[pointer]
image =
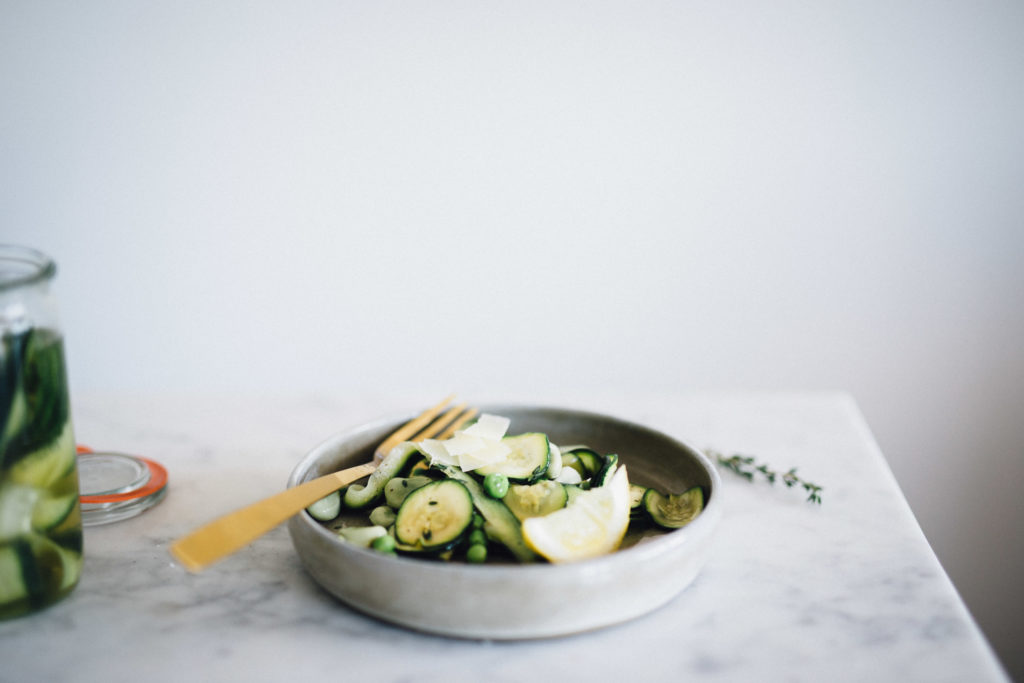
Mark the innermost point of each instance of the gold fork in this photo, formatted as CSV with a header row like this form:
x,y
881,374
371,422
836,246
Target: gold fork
x,y
234,531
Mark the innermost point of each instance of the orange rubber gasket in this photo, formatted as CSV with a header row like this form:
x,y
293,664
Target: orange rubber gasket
x,y
157,480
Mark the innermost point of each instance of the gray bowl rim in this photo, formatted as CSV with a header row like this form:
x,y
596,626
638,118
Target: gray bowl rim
x,y
648,549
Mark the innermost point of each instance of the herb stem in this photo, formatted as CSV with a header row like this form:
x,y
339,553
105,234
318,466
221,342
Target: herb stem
x,y
747,467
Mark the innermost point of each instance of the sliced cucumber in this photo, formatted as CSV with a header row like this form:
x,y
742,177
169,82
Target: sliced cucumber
x,y
536,500
327,508
46,466
50,512
17,503
499,523
12,582
361,495
435,516
527,461
63,561
673,511
35,388
35,571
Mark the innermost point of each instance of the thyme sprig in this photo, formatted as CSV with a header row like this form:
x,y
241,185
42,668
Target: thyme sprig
x,y
747,467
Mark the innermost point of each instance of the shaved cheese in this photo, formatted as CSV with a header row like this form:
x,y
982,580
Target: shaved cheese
x,y
491,454
568,475
478,445
463,443
491,427
437,452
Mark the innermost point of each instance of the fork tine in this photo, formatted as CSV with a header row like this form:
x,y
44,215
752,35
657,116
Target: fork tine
x,y
411,427
446,425
437,426
457,423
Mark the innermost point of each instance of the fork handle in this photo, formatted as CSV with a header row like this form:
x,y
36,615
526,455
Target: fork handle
x,y
234,531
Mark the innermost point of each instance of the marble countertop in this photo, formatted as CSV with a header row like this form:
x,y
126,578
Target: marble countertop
x,y
846,591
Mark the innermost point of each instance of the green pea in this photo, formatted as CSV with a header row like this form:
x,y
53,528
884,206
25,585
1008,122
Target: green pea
x,y
496,485
478,520
384,544
476,554
478,537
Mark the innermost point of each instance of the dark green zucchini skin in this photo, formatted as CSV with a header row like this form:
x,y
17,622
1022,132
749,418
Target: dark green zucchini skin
x,y
672,511
500,524
609,463
359,496
435,517
584,460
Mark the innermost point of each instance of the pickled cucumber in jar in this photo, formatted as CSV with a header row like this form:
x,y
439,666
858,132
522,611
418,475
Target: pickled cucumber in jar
x,y
40,518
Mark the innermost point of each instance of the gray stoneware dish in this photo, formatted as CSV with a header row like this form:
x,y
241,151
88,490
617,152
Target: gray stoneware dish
x,y
512,601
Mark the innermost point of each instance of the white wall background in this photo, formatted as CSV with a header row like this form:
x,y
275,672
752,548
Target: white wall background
x,y
345,196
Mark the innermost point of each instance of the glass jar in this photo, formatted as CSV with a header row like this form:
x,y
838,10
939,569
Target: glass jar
x,y
40,517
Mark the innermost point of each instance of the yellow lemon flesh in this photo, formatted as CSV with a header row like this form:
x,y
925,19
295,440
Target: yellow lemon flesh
x,y
593,524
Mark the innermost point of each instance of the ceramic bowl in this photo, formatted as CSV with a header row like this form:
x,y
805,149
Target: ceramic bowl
x,y
512,601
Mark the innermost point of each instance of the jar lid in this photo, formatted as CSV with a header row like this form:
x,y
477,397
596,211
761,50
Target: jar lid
x,y
117,486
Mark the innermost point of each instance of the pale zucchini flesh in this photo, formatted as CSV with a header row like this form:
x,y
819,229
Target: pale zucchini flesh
x,y
535,500
361,495
674,511
500,524
527,460
435,516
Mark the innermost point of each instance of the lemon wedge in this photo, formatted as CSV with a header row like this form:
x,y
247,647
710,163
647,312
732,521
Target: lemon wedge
x,y
593,524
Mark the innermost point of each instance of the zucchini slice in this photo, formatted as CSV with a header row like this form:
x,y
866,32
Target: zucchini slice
x,y
572,491
435,516
584,460
528,460
327,508
361,495
383,515
362,536
499,523
673,511
419,468
536,500
603,475
554,461
396,490
636,499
